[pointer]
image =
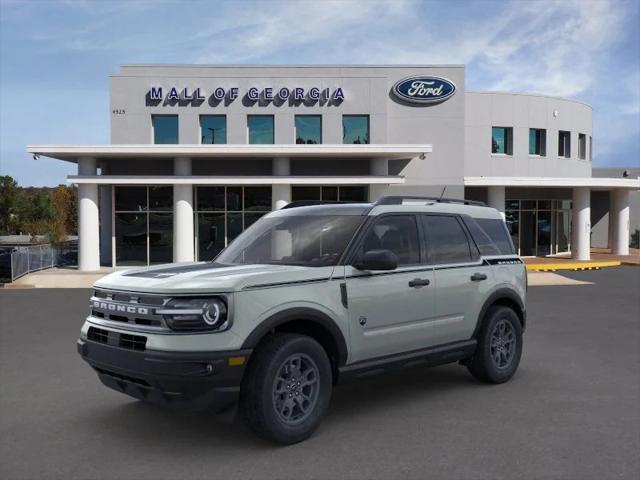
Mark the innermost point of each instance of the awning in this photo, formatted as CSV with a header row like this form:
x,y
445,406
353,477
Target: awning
x,y
72,153
595,183
235,180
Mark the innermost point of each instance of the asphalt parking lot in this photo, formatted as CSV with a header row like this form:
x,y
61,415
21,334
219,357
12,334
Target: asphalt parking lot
x,y
572,411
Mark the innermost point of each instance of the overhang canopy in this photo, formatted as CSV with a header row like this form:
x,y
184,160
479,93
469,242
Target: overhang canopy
x,y
236,180
595,183
72,153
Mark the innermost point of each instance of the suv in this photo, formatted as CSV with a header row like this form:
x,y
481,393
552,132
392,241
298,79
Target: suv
x,y
311,296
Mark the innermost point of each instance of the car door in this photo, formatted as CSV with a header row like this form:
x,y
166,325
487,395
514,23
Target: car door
x,y
390,311
462,281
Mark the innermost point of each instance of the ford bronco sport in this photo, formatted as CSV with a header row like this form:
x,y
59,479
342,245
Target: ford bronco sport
x,y
310,296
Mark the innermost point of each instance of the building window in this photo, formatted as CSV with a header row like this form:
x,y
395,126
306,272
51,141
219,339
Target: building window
x,y
582,146
143,220
165,129
537,142
355,129
222,213
590,148
308,129
564,144
502,140
330,193
261,130
213,129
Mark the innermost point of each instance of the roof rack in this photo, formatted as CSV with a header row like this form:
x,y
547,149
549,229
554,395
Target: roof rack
x,y
398,200
308,203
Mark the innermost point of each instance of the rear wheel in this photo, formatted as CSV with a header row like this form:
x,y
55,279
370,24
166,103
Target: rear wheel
x,y
499,348
287,388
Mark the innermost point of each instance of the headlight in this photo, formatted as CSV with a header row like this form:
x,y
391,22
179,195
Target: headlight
x,y
195,314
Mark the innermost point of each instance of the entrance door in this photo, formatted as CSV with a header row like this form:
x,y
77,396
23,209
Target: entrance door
x,y
527,233
391,311
545,233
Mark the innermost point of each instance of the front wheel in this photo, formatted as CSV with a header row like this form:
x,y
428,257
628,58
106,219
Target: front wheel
x,y
287,388
499,348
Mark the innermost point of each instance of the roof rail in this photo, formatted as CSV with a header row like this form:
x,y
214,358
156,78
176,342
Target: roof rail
x,y
398,199
308,203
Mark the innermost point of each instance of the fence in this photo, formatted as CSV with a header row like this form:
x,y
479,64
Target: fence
x,y
38,257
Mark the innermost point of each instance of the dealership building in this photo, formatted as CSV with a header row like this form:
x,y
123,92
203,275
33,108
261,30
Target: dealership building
x,y
198,153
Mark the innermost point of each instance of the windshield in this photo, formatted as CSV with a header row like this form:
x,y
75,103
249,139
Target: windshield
x,y
311,241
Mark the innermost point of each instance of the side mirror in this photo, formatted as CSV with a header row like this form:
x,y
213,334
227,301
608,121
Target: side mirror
x,y
377,260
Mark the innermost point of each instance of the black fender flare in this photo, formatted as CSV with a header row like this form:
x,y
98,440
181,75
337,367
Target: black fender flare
x,y
496,296
304,314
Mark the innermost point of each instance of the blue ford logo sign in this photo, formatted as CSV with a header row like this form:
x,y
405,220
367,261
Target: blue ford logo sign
x,y
424,89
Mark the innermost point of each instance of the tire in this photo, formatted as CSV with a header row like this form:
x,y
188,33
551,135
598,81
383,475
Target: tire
x,y
277,405
499,348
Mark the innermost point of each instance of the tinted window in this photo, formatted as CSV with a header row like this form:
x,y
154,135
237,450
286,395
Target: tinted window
x,y
398,233
308,129
165,129
260,129
355,129
446,240
213,129
491,236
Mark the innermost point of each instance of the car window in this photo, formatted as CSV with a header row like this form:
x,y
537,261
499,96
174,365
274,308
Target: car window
x,y
446,240
398,233
497,232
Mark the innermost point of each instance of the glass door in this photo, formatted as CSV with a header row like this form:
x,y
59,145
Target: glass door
x,y
544,234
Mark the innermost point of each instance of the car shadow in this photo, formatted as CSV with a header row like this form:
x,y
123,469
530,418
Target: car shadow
x,y
135,421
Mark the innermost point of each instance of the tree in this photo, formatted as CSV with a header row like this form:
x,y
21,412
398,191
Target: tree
x,y
9,192
65,217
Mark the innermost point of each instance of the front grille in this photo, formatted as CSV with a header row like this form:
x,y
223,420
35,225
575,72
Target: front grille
x,y
133,342
129,308
98,335
122,340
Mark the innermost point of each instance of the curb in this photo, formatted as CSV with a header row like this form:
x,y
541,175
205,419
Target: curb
x,y
575,266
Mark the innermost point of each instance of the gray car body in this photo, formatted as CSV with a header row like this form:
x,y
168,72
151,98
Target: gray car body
x,y
380,315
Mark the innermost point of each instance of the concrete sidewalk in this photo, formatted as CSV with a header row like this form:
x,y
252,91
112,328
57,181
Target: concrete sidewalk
x,y
59,278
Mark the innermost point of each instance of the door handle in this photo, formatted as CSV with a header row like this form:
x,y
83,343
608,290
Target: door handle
x,y
478,277
419,282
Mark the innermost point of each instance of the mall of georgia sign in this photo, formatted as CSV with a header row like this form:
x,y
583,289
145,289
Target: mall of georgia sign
x,y
423,89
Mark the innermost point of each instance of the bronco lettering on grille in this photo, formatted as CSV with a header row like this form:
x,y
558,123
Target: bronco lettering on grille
x,y
118,307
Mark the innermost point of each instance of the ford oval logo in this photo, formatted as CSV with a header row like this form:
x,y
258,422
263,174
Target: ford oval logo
x,y
424,89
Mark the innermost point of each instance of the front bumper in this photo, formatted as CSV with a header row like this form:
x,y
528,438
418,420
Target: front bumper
x,y
193,380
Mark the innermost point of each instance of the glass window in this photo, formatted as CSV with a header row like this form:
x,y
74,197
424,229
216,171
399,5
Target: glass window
x,y
261,130
590,148
257,198
234,198
512,220
353,194
330,194
446,240
564,144
582,146
234,226
210,198
308,129
165,129
397,233
311,240
301,193
211,235
537,141
161,198
355,129
160,238
502,140
131,199
131,238
213,129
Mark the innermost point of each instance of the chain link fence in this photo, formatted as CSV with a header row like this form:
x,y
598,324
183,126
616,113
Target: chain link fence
x,y
22,260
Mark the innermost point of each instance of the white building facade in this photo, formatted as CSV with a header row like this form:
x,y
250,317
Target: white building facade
x,y
199,153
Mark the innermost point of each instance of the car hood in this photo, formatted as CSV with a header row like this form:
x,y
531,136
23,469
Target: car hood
x,y
208,277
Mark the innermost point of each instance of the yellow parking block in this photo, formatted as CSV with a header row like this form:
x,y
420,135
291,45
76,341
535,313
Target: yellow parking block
x,y
552,267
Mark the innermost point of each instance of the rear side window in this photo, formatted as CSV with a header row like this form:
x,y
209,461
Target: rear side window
x,y
491,236
446,240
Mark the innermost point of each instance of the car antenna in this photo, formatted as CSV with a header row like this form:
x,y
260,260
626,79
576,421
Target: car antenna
x,y
442,194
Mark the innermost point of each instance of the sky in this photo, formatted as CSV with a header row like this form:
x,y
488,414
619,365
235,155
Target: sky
x,y
56,56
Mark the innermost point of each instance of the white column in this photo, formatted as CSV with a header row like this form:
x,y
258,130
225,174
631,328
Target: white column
x,y
183,236
581,224
88,219
619,217
378,167
280,194
496,199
